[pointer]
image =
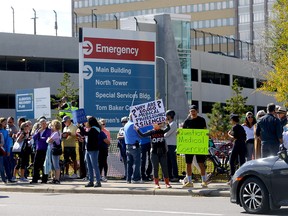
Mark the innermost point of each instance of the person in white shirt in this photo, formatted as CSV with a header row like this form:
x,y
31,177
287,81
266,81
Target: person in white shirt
x,y
248,126
170,138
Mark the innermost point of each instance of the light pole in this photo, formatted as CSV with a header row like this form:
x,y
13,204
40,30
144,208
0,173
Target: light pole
x,y
56,24
96,20
92,20
166,79
13,19
116,21
34,18
76,23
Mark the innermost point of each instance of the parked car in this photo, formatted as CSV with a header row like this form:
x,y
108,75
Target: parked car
x,y
261,185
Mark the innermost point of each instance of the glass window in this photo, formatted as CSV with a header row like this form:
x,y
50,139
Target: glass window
x,y
200,7
224,5
71,66
35,65
2,63
189,8
207,23
231,4
200,24
259,83
219,5
207,8
244,82
219,22
212,6
16,63
207,107
7,101
184,9
195,8
215,78
224,22
53,65
212,23
194,74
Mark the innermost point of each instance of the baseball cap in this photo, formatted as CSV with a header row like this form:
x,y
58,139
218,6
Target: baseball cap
x,y
193,107
65,118
249,114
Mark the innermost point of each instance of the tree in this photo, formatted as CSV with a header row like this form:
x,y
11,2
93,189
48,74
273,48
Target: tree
x,y
237,103
218,122
219,118
67,90
277,52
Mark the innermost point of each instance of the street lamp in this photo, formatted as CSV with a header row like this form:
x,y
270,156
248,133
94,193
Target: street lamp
x,y
96,20
13,19
34,18
116,21
92,16
166,79
76,23
56,25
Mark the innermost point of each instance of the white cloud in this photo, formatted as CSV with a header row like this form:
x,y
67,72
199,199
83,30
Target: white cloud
x,y
46,17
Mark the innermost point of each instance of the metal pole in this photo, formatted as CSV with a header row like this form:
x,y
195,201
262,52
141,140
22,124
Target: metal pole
x,y
76,23
56,24
96,20
166,80
92,20
116,21
34,18
13,19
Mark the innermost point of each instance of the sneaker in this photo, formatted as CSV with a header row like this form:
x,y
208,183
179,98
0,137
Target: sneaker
x,y
137,182
104,179
128,182
55,181
66,176
89,184
13,179
98,184
188,185
23,180
204,184
168,186
157,187
74,176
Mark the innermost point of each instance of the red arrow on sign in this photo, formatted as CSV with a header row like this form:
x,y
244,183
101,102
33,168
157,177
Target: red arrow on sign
x,y
87,48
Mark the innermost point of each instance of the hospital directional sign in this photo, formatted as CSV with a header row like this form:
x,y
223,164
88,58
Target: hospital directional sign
x,y
117,70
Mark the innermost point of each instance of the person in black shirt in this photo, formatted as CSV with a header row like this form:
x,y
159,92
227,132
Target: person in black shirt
x,y
238,134
194,121
158,152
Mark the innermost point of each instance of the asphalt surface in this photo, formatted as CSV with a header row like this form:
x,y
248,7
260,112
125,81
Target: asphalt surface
x,y
119,187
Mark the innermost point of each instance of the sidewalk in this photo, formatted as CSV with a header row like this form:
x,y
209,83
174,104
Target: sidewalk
x,y
119,187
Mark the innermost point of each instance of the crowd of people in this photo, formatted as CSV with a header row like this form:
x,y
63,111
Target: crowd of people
x,y
141,149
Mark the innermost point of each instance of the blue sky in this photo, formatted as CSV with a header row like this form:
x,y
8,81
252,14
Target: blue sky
x,y
46,17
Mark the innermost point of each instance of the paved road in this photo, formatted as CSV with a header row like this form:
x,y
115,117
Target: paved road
x,y
35,204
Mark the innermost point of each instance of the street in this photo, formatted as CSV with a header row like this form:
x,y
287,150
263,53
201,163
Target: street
x,y
97,204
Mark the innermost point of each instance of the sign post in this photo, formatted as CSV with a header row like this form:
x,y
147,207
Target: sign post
x,y
116,67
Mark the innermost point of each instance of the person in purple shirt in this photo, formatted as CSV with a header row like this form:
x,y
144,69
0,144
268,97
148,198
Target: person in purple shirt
x,y
40,137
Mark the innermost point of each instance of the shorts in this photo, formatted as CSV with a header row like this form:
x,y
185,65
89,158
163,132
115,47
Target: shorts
x,y
69,152
56,162
199,158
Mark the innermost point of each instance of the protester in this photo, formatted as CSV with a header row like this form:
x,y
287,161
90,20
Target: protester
x,y
170,138
257,143
23,137
104,129
54,141
92,149
281,114
238,135
145,147
7,145
269,130
194,121
248,126
159,152
2,173
104,143
122,146
133,152
69,142
40,137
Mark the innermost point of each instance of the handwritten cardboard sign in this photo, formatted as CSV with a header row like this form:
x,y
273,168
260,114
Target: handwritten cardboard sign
x,y
192,141
148,113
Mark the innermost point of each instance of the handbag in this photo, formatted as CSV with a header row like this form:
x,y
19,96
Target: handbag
x,y
2,151
17,147
56,149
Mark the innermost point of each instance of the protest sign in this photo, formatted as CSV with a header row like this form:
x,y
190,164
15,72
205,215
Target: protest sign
x,y
79,116
192,141
148,113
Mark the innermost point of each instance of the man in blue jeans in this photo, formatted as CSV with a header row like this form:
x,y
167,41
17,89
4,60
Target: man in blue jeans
x,y
133,152
145,146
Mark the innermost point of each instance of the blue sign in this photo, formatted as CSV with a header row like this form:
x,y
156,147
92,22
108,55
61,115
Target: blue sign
x,y
79,116
117,70
25,103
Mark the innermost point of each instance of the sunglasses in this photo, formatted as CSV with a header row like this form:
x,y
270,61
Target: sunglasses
x,y
249,116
